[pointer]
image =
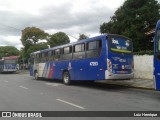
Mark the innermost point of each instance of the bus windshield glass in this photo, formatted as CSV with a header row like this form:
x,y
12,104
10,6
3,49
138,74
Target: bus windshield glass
x,y
10,61
120,44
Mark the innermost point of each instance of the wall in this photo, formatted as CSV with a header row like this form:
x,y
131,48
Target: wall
x,y
143,66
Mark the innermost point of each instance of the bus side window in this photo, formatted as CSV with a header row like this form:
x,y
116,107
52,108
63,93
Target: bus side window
x,y
79,51
50,55
57,54
43,57
47,56
37,58
67,53
53,55
40,57
94,49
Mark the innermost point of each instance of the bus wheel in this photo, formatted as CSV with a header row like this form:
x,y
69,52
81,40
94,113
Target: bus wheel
x,y
36,75
66,78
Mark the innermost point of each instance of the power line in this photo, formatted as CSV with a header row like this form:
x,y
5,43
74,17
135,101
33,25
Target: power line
x,y
72,36
21,29
10,27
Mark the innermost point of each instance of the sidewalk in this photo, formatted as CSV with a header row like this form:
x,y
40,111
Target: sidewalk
x,y
23,71
136,83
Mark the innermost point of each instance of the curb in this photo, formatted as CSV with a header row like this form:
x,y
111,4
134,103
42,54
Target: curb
x,y
129,84
23,72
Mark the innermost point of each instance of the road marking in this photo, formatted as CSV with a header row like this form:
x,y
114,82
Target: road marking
x,y
71,104
5,81
23,87
53,84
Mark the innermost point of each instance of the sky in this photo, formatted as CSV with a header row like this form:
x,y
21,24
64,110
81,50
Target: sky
x,y
73,17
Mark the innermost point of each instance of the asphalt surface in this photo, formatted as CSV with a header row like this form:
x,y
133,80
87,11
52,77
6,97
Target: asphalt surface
x,y
19,92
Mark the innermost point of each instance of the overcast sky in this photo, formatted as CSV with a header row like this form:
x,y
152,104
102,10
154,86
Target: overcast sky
x,y
73,17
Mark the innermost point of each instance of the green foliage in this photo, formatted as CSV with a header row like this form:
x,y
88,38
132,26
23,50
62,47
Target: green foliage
x,y
148,52
133,19
8,51
82,36
59,38
30,38
37,47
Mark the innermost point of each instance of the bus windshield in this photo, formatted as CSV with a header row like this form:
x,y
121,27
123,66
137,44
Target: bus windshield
x,y
10,61
119,44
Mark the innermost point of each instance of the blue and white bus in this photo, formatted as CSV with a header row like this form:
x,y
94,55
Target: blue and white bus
x,y
157,56
102,57
8,64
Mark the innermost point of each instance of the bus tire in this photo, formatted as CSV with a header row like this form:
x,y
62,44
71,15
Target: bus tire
x,y
36,75
66,78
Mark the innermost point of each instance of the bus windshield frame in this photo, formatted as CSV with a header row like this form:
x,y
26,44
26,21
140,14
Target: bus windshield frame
x,y
115,40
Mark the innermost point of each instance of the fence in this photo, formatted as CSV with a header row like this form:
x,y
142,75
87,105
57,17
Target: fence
x,y
143,65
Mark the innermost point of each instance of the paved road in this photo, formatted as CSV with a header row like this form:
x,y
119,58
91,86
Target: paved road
x,y
19,92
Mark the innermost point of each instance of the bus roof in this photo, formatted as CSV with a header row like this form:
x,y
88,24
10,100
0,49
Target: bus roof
x,y
77,42
10,57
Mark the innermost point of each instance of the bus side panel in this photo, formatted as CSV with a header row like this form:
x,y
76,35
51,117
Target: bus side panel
x,y
91,68
41,67
94,70
57,72
157,72
52,70
77,69
156,60
85,69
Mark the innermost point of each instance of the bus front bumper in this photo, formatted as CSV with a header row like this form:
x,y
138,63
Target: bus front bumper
x,y
9,70
112,76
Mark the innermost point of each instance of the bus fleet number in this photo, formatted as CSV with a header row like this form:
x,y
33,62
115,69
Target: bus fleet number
x,y
93,63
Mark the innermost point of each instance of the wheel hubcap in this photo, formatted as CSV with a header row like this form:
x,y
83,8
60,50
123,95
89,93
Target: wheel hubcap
x,y
66,78
36,75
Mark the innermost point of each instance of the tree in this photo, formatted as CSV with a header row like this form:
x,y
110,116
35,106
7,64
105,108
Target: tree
x,y
37,47
82,36
8,51
58,38
31,38
133,19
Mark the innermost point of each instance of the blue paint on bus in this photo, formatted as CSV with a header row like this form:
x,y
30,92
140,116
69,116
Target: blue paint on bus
x,y
102,57
157,56
8,64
